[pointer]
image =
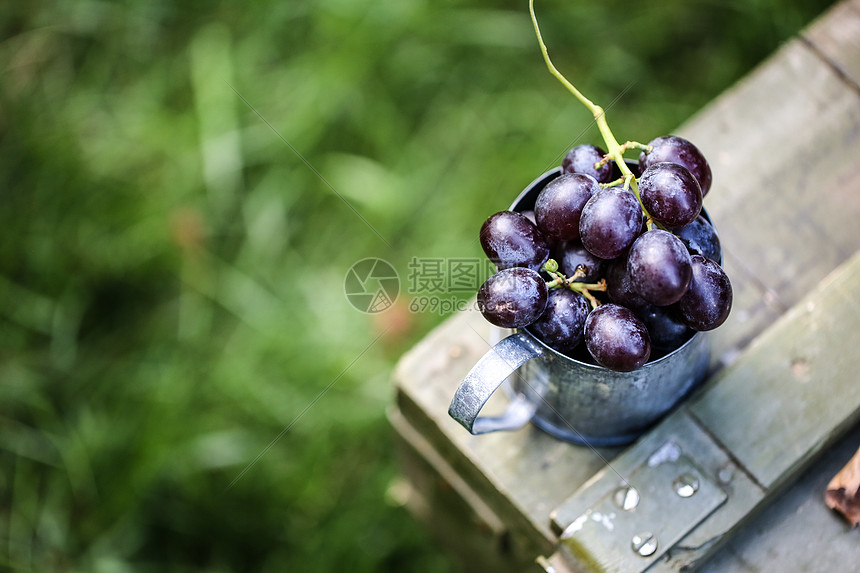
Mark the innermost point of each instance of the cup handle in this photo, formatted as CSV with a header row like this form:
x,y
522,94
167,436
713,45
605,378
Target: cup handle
x,y
486,376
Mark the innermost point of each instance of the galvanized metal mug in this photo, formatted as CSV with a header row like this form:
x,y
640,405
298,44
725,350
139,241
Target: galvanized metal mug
x,y
571,399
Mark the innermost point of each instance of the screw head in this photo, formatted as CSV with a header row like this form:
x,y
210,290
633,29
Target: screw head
x,y
644,544
686,484
626,497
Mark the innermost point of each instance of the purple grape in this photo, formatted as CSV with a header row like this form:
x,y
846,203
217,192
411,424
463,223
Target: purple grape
x,y
619,288
678,150
664,326
700,238
513,297
708,301
610,222
659,267
616,338
560,203
581,159
571,254
511,240
671,194
561,324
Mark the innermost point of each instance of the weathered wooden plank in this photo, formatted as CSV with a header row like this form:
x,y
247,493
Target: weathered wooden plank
x,y
457,517
798,533
796,386
837,39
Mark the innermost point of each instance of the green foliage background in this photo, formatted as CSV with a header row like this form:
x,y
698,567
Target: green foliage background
x,y
171,270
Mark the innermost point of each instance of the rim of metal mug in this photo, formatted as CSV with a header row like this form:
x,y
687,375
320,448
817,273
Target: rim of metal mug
x,y
545,347
542,180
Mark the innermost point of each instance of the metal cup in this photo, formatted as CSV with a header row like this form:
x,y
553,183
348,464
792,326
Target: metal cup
x,y
570,399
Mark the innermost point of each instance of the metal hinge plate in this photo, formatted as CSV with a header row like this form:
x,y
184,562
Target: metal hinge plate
x,y
644,514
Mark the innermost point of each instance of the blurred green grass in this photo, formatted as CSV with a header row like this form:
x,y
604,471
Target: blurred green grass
x,y
171,272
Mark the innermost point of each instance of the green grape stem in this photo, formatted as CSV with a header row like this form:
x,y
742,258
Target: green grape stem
x,y
557,282
615,150
560,281
618,181
590,297
636,145
626,146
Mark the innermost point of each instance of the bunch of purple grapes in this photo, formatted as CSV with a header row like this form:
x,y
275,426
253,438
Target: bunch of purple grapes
x,y
627,268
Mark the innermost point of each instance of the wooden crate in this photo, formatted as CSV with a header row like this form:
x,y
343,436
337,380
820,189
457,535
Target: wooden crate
x,y
784,145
